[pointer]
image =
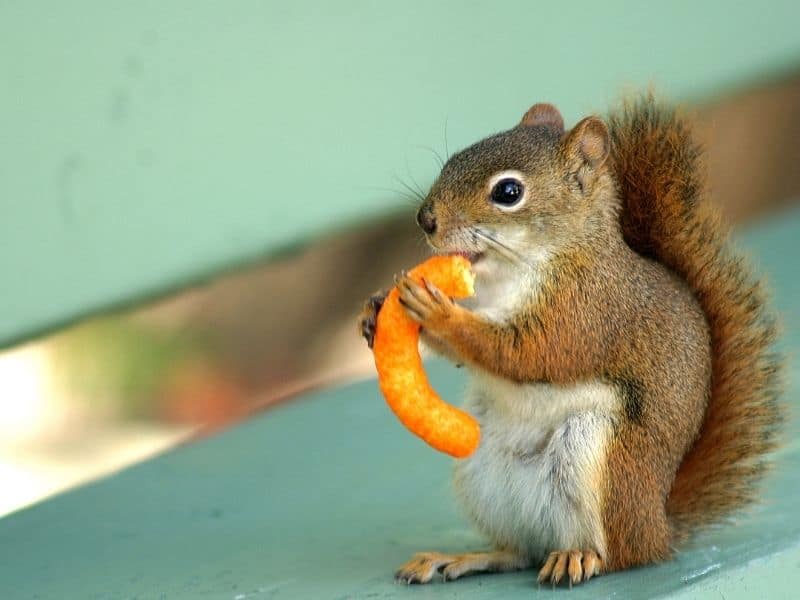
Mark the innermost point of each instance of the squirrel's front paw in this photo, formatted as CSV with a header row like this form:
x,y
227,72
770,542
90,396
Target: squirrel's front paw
x,y
369,315
427,304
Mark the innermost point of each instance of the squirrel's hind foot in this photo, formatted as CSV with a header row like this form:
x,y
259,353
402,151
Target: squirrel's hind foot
x,y
577,565
424,565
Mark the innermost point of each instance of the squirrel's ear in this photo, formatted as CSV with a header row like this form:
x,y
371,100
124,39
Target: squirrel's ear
x,y
543,114
588,144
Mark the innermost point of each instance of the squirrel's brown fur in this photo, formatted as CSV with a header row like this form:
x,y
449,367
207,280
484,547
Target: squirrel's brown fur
x,y
665,216
619,349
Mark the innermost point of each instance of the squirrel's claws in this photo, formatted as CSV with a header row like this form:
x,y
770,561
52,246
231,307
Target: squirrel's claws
x,y
424,566
434,291
412,312
369,315
575,565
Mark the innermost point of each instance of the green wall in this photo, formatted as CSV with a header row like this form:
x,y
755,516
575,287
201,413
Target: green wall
x,y
148,144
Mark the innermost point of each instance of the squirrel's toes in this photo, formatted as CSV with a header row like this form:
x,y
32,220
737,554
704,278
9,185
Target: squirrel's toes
x,y
425,565
369,315
577,565
422,567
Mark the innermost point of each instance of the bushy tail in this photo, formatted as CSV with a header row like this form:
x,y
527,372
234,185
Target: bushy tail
x,y
665,216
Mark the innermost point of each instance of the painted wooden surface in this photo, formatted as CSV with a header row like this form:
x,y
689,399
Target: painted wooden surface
x,y
144,145
323,497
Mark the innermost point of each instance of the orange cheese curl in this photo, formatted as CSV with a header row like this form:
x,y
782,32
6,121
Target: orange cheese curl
x,y
401,376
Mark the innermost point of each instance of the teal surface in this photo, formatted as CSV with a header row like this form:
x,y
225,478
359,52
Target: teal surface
x,y
323,497
148,144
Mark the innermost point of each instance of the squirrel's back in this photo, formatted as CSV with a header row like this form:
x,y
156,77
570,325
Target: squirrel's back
x,y
665,216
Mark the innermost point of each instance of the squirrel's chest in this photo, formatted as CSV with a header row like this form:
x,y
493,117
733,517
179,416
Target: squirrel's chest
x,y
534,483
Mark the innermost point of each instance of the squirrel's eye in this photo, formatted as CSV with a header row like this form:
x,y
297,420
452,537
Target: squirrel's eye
x,y
507,192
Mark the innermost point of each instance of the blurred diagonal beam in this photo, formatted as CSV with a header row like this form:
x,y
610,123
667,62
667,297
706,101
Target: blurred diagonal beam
x,y
278,347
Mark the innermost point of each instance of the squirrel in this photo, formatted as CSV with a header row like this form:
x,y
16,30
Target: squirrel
x,y
619,351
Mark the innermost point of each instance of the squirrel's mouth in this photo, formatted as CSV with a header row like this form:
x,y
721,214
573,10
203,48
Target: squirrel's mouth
x,y
472,257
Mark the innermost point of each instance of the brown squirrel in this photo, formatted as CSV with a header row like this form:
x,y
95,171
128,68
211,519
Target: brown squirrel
x,y
619,351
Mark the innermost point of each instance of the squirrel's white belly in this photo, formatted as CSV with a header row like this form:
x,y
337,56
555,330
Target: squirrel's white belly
x,y
533,485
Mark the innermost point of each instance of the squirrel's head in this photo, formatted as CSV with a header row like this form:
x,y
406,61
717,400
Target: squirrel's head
x,y
524,193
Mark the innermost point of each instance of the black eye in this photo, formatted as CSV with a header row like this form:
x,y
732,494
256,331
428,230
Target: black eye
x,y
507,192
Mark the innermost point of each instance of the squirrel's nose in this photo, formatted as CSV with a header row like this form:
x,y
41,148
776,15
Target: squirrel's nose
x,y
425,219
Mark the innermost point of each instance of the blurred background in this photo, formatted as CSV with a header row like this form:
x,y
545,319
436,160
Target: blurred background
x,y
117,388
121,337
